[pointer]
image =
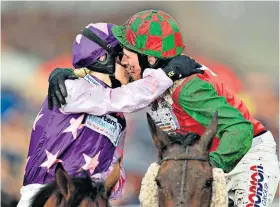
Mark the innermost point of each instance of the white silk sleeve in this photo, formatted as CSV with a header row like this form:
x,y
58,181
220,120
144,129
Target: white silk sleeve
x,y
97,100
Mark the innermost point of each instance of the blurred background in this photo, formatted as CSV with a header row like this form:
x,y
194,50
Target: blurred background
x,y
237,40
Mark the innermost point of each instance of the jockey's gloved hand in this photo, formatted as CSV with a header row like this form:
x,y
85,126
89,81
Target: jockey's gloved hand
x,y
57,89
181,66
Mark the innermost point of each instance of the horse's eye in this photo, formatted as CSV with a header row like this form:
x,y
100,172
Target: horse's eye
x,y
164,148
209,183
158,183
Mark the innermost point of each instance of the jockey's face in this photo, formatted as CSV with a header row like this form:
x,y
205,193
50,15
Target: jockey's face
x,y
130,60
121,74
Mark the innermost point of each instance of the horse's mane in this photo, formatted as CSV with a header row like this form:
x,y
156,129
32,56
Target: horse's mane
x,y
84,187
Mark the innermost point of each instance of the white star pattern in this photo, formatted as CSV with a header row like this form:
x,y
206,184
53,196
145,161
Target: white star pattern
x,y
37,119
91,163
78,38
51,160
75,124
101,26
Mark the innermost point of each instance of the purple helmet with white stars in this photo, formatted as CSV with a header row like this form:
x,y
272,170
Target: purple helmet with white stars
x,y
85,51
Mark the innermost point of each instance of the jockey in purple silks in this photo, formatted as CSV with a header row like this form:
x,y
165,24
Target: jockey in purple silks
x,y
75,137
80,141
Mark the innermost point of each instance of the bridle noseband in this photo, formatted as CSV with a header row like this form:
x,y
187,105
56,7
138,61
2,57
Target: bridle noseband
x,y
183,157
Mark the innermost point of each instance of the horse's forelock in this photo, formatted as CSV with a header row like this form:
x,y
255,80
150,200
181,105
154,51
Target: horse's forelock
x,y
184,140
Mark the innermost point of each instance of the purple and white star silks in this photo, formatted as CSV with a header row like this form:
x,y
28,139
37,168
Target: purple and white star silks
x,y
91,162
75,125
51,160
38,117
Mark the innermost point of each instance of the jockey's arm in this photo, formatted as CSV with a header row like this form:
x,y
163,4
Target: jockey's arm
x,y
200,100
118,190
128,98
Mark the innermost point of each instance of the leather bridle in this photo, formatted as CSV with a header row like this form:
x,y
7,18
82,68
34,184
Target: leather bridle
x,y
185,157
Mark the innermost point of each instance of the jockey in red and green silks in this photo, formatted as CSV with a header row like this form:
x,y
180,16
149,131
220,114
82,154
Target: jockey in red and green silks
x,y
195,101
197,98
151,39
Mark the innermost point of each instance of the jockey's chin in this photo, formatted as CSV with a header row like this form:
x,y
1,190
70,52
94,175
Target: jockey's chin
x,y
121,74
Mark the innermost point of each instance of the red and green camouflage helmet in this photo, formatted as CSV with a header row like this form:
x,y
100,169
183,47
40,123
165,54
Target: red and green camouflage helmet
x,y
151,32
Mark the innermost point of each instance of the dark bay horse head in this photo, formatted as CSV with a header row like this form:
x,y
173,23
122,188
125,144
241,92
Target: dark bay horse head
x,y
185,175
76,192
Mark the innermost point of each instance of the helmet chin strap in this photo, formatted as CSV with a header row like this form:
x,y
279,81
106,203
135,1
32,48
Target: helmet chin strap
x,y
107,66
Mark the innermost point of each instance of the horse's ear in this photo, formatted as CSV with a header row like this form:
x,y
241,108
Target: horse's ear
x,y
113,178
209,134
63,181
160,138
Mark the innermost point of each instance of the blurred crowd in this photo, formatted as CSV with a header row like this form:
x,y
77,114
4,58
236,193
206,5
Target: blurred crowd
x,y
36,39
